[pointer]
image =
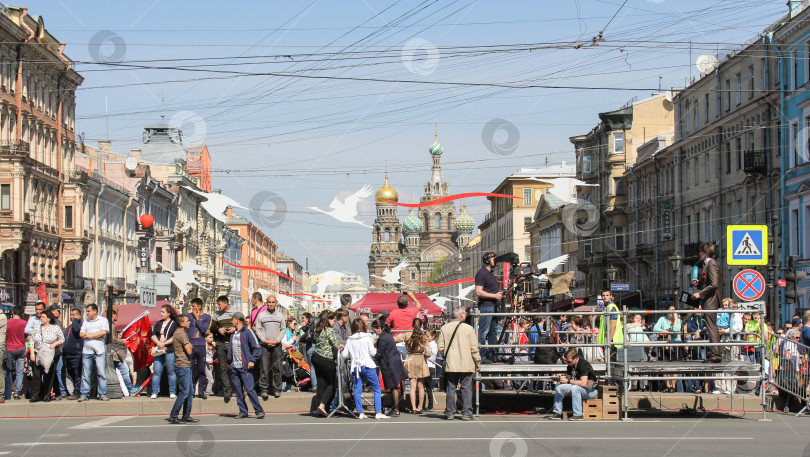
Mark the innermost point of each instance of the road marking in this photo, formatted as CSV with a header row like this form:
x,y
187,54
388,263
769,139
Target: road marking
x,y
100,423
332,440
355,423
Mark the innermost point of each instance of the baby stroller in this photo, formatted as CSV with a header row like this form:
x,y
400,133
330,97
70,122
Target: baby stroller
x,y
297,370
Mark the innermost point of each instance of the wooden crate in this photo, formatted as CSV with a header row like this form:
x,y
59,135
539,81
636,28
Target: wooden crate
x,y
592,406
611,414
608,392
610,402
592,416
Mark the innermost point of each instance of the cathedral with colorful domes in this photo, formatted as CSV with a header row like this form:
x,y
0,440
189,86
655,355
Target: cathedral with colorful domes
x,y
426,236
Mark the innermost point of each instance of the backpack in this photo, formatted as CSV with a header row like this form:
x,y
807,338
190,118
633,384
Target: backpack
x,y
545,355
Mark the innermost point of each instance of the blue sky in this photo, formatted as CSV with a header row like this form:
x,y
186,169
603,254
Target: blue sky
x,y
307,136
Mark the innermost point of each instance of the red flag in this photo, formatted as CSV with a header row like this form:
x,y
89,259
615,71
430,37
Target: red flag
x,y
42,293
138,335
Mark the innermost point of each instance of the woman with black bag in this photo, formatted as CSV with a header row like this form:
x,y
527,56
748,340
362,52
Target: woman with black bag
x,y
323,359
390,362
48,339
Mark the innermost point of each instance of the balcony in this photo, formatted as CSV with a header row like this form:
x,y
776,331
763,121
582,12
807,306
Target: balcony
x,y
754,162
645,249
14,147
691,252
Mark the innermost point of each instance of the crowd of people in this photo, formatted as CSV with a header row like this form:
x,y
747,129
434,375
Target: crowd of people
x,y
339,353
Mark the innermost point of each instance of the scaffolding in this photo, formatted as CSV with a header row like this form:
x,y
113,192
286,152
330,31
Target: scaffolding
x,y
624,367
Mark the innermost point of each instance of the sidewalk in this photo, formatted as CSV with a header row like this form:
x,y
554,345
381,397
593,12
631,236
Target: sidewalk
x,y
291,402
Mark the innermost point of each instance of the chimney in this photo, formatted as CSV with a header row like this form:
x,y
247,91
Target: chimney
x,y
104,148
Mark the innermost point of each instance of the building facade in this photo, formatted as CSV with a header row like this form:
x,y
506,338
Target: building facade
x,y
603,155
37,145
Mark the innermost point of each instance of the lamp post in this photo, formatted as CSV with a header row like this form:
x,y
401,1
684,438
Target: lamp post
x,y
675,261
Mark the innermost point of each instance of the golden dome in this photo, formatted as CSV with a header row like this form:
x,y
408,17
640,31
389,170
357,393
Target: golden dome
x,y
386,193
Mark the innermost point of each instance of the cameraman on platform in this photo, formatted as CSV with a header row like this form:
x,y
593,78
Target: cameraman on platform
x,y
488,292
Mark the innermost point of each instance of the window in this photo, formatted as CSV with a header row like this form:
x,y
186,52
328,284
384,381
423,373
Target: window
x,y
738,144
728,158
5,197
794,130
794,75
438,218
527,196
750,81
706,102
707,167
619,231
586,164
765,71
587,246
728,94
697,115
802,158
618,143
159,255
697,172
619,186
738,99
686,121
526,222
688,228
687,175
697,227
68,216
709,234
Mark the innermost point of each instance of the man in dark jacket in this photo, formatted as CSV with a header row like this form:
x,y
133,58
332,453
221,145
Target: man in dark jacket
x,y
72,352
243,352
199,324
222,328
709,285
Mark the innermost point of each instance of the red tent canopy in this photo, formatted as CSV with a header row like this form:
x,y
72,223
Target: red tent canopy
x,y
375,302
129,311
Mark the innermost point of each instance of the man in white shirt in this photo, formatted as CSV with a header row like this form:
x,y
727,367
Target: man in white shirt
x,y
94,330
33,321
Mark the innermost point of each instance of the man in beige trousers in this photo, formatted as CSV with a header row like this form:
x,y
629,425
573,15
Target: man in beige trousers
x,y
459,345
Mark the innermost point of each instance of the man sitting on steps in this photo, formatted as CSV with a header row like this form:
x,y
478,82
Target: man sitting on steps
x,y
580,383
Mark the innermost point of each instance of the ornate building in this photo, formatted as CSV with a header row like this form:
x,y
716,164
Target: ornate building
x,y
422,239
40,235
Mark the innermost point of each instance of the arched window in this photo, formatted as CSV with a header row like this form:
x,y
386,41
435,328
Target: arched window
x,y
438,217
387,235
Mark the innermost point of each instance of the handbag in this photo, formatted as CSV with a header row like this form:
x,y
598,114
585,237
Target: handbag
x,y
443,377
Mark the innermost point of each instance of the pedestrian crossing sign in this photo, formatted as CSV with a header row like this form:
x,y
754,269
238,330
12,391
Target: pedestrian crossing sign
x,y
747,244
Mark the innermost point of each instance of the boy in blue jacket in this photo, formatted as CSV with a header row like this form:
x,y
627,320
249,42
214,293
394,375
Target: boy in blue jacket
x,y
243,352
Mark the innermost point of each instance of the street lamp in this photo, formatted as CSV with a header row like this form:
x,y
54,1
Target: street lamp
x,y
611,272
675,261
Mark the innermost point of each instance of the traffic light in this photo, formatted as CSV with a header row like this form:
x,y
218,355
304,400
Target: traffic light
x,y
792,290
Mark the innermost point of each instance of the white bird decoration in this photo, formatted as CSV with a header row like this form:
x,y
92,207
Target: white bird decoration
x,y
182,279
346,211
552,264
392,276
462,294
216,204
563,188
285,301
327,278
440,301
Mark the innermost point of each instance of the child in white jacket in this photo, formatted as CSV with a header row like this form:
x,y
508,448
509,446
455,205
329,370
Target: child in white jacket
x,y
361,350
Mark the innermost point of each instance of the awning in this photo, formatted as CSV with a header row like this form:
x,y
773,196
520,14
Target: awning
x,y
374,302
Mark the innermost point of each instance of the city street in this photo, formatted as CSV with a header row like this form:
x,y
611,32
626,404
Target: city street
x,y
296,434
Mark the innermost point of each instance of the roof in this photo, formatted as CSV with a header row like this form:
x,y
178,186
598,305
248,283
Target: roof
x,y
562,170
162,144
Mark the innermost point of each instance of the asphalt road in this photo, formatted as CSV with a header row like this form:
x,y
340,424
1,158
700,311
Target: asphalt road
x,y
511,436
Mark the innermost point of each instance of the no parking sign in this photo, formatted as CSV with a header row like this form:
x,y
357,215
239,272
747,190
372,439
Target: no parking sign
x,y
749,285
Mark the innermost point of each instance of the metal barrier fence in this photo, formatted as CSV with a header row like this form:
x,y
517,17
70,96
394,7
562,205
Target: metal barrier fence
x,y
676,354
789,366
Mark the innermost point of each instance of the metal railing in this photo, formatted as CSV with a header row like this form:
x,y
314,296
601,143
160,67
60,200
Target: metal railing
x,y
678,347
789,366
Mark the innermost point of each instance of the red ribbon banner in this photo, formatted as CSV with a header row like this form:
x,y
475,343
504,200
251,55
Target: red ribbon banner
x,y
450,198
242,267
457,281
